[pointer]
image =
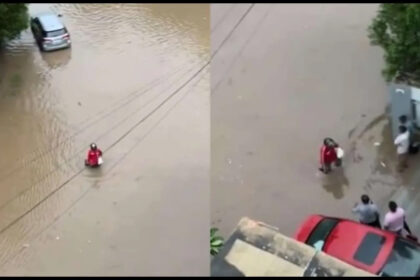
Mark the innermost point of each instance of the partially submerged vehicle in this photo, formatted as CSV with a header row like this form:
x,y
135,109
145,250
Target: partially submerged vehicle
x,y
49,32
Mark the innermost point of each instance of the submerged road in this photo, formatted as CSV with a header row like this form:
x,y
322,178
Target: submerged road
x,y
289,76
134,82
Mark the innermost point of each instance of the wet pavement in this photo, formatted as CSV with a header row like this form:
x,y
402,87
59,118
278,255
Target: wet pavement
x,y
289,76
134,83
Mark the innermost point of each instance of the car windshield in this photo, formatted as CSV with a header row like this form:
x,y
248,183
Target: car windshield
x,y
321,231
56,33
404,260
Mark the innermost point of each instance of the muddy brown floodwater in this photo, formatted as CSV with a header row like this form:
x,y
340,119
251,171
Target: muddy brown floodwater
x,y
288,76
134,83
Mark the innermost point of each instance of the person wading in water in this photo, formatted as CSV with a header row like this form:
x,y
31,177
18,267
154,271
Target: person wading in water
x,y
328,155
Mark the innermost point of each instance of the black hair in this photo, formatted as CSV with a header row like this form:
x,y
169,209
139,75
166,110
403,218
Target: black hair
x,y
403,119
330,142
365,199
402,129
392,206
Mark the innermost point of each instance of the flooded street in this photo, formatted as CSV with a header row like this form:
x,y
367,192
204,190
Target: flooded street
x,y
134,82
289,76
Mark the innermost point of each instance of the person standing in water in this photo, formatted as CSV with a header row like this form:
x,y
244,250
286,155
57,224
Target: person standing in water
x,y
413,147
328,155
94,156
402,142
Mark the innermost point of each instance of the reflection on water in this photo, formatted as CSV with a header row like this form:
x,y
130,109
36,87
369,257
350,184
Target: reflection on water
x,y
124,59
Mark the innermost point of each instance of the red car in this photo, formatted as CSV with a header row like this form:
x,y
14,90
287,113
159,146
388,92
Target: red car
x,y
371,249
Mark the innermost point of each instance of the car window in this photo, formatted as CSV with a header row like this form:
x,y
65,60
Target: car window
x,y
322,230
369,248
36,23
56,33
404,260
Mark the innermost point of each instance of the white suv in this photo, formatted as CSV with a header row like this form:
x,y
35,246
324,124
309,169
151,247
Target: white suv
x,y
49,32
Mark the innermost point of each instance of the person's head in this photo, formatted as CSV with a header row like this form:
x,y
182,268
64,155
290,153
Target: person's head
x,y
328,142
403,119
392,206
93,146
402,129
365,199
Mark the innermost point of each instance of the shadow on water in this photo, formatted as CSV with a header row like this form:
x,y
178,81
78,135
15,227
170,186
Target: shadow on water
x,y
94,172
385,156
335,182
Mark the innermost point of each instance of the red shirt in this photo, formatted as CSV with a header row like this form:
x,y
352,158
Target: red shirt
x,y
328,155
93,156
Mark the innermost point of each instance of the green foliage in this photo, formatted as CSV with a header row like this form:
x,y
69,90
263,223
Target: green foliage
x,y
216,242
14,19
396,28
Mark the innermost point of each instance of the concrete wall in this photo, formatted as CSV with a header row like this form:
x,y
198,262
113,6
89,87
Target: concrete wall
x,y
256,249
